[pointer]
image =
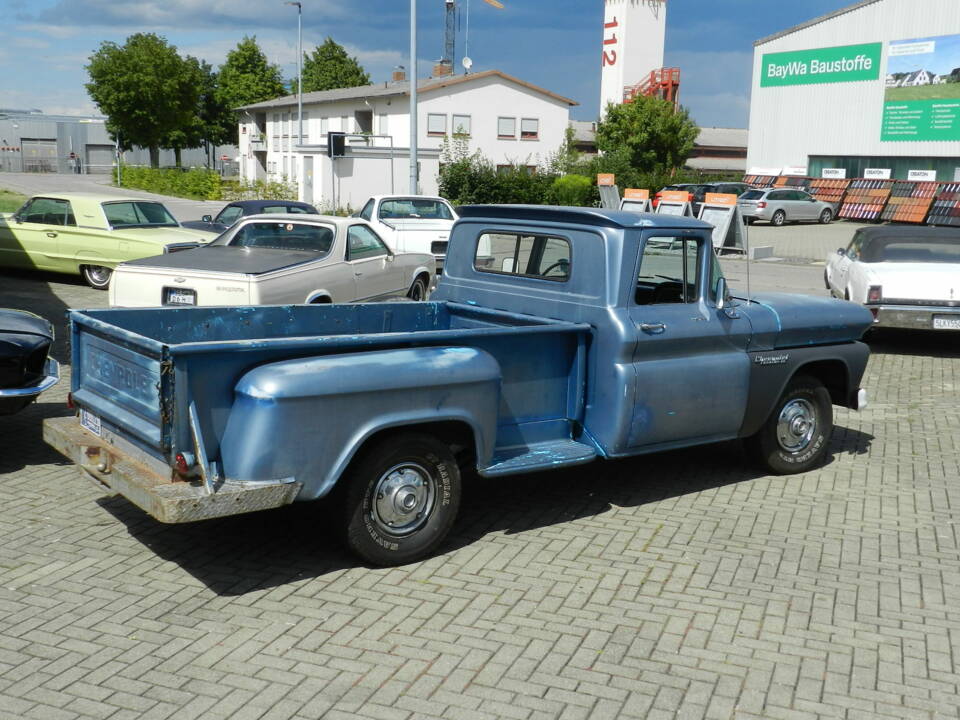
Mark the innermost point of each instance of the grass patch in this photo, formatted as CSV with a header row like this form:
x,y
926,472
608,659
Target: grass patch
x,y
11,201
948,91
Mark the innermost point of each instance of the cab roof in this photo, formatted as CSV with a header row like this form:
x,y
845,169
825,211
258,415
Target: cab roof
x,y
584,216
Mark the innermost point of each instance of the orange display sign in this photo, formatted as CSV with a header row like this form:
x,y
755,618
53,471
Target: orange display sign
x,y
720,199
606,179
636,194
674,196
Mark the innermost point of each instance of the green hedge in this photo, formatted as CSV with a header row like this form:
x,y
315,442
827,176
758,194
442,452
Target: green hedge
x,y
199,184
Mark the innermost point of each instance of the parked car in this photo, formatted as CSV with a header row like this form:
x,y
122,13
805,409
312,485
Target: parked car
x,y
411,223
232,212
908,277
88,234
779,206
691,188
728,188
594,334
275,259
26,369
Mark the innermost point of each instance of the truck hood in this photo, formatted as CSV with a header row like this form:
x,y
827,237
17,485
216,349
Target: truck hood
x,y
227,259
783,320
916,281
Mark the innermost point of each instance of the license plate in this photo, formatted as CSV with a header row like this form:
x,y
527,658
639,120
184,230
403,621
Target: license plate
x,y
946,322
90,421
179,296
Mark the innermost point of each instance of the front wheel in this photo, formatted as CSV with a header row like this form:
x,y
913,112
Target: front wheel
x,y
418,291
779,218
795,437
400,499
96,276
825,217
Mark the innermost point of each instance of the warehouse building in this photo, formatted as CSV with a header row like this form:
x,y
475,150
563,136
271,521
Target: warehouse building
x,y
872,90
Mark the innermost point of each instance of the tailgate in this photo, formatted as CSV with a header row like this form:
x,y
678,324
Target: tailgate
x,y
119,382
133,286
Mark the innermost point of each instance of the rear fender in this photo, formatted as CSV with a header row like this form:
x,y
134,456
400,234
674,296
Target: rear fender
x,y
319,295
306,419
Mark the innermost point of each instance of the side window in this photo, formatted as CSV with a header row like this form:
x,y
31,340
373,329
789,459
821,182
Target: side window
x,y
47,211
538,256
853,250
363,243
668,271
367,211
229,215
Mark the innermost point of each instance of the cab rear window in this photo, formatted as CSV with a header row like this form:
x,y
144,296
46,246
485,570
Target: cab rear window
x,y
537,256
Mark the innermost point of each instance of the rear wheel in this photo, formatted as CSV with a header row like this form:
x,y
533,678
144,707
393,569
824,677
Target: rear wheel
x,y
795,437
96,276
418,291
400,499
826,216
779,218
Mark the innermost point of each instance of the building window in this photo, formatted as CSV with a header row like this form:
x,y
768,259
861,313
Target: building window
x,y
436,124
285,160
306,128
324,126
461,125
507,128
529,129
294,127
344,126
383,126
275,129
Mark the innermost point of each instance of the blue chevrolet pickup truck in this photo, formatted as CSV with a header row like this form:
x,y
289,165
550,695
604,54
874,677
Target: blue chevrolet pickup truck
x,y
590,334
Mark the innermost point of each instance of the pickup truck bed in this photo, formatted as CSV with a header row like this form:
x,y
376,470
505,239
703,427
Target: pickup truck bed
x,y
153,384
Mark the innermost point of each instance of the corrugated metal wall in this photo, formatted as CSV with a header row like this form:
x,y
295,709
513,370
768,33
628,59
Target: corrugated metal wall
x,y
789,124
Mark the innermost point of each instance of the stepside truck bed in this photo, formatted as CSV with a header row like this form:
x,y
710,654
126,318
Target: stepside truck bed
x,y
154,386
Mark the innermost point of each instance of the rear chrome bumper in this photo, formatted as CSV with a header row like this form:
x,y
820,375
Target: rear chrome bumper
x,y
116,471
913,317
51,372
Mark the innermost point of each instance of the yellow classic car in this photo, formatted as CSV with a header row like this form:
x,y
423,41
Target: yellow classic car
x,y
89,234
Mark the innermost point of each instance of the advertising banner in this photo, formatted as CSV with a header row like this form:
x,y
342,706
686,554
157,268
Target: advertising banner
x,y
877,173
834,173
847,63
922,98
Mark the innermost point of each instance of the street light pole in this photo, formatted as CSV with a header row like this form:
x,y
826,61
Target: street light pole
x,y
299,70
413,97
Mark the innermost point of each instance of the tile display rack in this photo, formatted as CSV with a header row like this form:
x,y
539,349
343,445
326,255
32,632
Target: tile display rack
x,y
829,190
759,181
909,202
793,181
946,207
865,199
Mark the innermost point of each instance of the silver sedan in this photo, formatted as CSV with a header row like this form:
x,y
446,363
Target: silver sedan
x,y
782,205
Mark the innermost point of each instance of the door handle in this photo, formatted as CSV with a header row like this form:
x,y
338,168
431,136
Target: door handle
x,y
51,234
653,327
357,274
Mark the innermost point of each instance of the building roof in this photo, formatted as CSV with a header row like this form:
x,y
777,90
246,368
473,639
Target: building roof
x,y
584,131
815,21
722,137
717,164
399,88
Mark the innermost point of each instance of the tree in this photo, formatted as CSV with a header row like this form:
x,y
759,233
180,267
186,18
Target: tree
x,y
246,77
329,67
649,131
146,90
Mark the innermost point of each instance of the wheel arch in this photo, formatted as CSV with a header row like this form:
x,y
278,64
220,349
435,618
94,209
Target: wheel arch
x,y
319,297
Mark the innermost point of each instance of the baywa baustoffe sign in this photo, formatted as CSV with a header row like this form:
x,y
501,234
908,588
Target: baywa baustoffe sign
x,y
922,93
846,63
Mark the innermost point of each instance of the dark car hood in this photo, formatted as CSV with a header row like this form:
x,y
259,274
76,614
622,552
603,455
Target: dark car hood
x,y
228,259
782,320
201,225
19,322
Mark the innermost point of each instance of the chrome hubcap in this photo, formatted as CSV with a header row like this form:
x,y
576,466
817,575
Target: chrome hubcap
x,y
796,425
98,274
404,497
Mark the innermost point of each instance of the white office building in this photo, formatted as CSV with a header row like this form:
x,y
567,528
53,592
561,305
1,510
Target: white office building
x,y
511,122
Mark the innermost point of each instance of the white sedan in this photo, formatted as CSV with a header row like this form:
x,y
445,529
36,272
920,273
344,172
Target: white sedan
x,y
909,277
277,259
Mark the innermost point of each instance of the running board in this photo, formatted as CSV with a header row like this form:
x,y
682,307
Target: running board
x,y
539,456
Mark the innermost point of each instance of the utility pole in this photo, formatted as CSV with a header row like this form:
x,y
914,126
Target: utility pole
x,y
413,97
299,70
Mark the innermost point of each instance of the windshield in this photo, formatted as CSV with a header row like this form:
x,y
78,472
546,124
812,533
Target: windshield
x,y
138,214
281,236
752,195
414,208
910,250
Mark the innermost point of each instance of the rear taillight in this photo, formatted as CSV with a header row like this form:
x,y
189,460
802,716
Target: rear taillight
x,y
70,401
874,294
762,204
183,462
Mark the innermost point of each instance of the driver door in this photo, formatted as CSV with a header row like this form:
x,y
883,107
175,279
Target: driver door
x,y
31,240
690,357
375,273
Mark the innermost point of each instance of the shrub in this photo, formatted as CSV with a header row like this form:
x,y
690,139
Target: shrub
x,y
577,190
198,183
258,190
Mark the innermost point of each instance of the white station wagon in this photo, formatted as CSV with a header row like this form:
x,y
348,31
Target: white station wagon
x,y
277,259
909,277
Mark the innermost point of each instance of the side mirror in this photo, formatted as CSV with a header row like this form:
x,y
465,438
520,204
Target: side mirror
x,y
723,293
841,252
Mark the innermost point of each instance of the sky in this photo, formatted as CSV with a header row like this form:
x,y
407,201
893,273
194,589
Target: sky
x,y
551,43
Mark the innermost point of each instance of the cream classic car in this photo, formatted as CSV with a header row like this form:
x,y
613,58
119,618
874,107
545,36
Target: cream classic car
x,y
277,259
909,277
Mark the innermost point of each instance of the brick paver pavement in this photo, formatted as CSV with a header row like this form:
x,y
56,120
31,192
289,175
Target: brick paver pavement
x,y
681,585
